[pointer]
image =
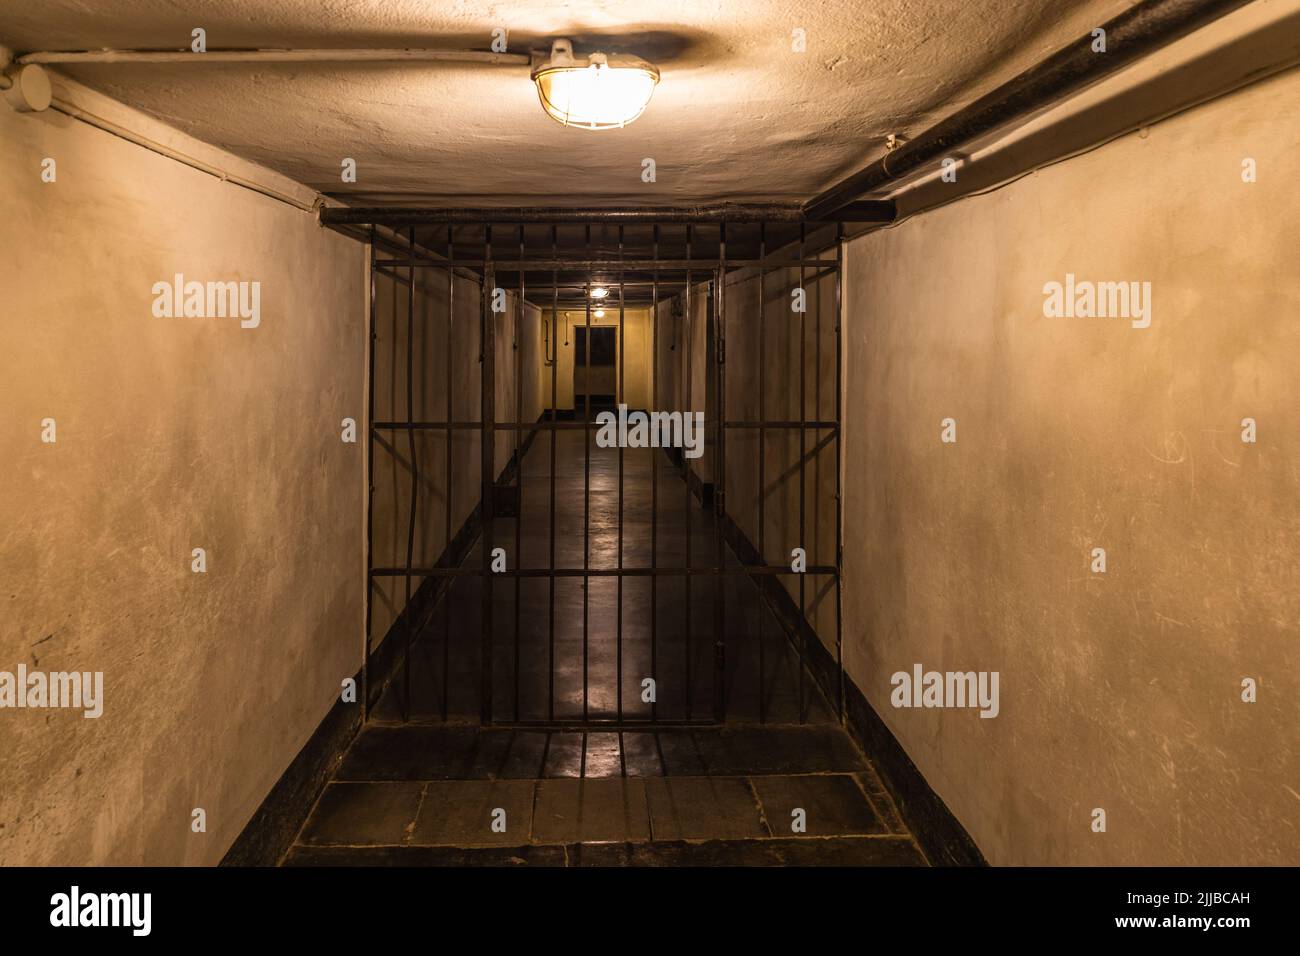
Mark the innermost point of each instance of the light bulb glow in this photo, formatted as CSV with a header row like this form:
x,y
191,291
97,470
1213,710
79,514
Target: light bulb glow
x,y
599,94
599,292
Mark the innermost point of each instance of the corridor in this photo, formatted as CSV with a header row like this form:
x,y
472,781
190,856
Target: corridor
x,y
980,550
765,786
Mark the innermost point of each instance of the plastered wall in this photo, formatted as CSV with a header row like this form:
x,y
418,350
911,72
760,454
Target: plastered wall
x,y
1121,690
171,434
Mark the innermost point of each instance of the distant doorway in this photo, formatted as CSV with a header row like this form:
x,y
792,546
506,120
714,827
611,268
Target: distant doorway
x,y
595,374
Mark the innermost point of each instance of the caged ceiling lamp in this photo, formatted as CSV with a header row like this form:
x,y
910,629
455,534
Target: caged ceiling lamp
x,y
601,91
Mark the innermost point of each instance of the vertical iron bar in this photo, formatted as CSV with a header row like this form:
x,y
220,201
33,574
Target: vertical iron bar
x,y
687,342
586,480
519,464
654,482
487,465
762,452
839,444
720,481
803,297
415,474
447,584
816,550
621,348
555,364
370,489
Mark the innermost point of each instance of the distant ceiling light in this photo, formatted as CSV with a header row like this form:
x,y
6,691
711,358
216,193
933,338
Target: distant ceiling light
x,y
599,313
604,91
599,292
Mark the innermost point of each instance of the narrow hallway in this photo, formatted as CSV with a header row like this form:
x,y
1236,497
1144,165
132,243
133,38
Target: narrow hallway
x,y
617,436
761,787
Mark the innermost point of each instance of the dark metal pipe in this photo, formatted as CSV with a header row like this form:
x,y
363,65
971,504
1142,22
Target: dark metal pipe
x,y
1133,34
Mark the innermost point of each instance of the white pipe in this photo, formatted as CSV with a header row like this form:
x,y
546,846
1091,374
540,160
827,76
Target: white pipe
x,y
276,56
107,126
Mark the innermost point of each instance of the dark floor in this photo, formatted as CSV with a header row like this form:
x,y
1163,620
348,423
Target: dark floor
x,y
730,792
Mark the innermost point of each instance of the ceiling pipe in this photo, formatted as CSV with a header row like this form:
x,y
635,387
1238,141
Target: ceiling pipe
x,y
275,56
1133,34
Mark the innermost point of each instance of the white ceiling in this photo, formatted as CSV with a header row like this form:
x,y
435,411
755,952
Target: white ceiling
x,y
737,116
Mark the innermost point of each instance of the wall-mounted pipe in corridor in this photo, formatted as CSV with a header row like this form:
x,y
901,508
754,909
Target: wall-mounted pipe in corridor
x,y
1133,34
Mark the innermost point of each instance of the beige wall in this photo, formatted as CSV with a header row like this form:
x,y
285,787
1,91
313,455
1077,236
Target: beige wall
x,y
173,433
1119,691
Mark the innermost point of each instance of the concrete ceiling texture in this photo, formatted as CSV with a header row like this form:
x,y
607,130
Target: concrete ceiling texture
x,y
739,115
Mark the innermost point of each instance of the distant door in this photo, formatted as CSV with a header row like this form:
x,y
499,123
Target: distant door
x,y
599,379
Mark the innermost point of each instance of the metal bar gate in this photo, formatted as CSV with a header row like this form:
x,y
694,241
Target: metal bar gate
x,y
701,282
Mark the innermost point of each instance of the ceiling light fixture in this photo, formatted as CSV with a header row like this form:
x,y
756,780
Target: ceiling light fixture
x,y
602,91
599,313
599,292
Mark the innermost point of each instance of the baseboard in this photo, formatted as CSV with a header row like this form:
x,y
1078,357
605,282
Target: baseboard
x,y
266,838
940,835
268,835
702,490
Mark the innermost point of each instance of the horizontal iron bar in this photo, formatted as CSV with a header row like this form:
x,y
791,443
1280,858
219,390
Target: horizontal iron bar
x,y
577,725
566,425
784,424
868,211
702,265
466,572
